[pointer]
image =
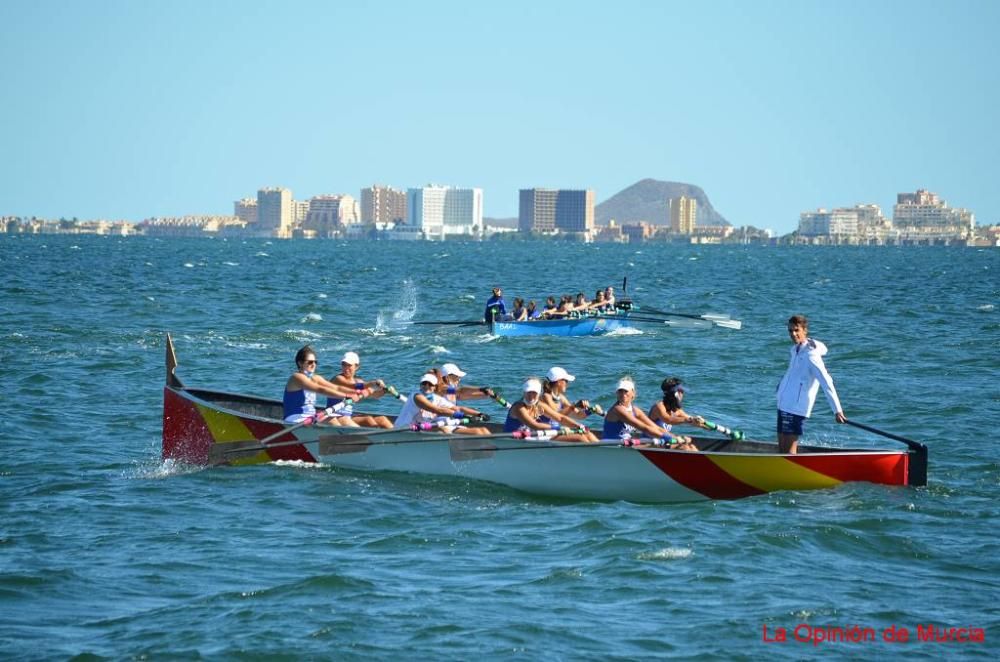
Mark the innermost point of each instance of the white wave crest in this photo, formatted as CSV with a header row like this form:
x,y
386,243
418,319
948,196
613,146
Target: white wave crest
x,y
986,307
312,317
231,264
298,464
625,331
188,265
666,554
439,349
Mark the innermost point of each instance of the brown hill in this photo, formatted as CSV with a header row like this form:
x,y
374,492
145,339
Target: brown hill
x,y
647,201
643,201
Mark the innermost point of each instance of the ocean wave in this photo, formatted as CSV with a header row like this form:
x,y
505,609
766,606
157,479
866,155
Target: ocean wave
x,y
439,349
625,331
985,308
312,317
666,554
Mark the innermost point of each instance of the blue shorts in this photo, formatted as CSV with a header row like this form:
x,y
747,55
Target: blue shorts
x,y
790,423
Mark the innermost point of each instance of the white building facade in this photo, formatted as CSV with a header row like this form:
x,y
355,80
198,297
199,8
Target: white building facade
x,y
443,212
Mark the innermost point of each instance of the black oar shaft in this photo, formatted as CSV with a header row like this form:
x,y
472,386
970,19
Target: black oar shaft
x,y
915,445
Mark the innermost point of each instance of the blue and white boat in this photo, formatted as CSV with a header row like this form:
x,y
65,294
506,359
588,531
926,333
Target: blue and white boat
x,y
569,326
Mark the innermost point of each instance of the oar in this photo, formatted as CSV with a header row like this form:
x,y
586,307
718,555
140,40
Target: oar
x,y
348,438
301,442
914,445
391,390
720,320
329,412
735,435
698,320
454,322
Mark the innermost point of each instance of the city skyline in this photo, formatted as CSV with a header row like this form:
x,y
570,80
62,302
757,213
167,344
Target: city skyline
x,y
128,110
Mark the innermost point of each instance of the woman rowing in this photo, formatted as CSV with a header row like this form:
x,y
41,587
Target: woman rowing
x,y
599,304
627,422
533,312
531,414
551,310
668,412
519,312
554,395
427,406
348,378
449,385
303,386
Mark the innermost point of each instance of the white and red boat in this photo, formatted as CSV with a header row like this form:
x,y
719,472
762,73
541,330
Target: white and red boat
x,y
208,427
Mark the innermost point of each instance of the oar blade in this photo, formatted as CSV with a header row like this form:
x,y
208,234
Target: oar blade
x,y
728,324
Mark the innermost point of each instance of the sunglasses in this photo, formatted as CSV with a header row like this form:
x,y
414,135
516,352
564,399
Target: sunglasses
x,y
311,362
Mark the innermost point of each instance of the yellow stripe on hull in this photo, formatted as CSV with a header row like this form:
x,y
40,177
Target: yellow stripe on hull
x,y
772,473
224,427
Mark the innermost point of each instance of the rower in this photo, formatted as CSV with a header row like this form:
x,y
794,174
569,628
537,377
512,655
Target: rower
x,y
530,413
554,396
303,386
496,309
427,406
668,412
450,386
349,378
627,422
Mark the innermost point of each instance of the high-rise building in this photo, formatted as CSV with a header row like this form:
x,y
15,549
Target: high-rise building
x,y
246,211
329,214
382,205
924,211
300,209
549,210
441,212
683,215
274,212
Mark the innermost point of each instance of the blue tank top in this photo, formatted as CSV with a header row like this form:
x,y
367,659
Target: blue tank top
x,y
618,429
299,403
513,424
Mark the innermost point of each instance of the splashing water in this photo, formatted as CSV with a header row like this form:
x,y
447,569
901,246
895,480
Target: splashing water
x,y
395,319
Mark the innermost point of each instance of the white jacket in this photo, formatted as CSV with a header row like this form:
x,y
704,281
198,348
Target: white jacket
x,y
806,373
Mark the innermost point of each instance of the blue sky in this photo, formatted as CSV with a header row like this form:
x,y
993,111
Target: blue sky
x,y
118,109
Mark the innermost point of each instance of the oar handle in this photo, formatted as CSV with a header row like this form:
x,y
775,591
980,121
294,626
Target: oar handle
x,y
391,390
493,394
915,445
735,435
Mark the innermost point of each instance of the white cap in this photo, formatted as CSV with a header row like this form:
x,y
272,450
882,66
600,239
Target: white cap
x,y
451,369
532,386
625,385
557,373
351,357
429,378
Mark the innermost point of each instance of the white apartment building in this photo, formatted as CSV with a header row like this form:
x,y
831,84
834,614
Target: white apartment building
x,y
924,211
442,212
823,223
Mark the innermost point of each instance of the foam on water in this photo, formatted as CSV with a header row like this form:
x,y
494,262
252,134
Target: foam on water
x,y
666,554
312,317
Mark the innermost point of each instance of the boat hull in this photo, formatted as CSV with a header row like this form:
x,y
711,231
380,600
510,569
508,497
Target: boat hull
x,y
208,427
584,326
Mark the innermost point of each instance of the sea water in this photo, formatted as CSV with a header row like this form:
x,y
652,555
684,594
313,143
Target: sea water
x,y
107,550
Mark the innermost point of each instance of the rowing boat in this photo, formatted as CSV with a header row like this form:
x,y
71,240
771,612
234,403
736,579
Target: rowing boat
x,y
207,427
568,326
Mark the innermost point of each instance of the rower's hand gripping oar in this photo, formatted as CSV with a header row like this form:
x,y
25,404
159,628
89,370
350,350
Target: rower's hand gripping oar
x,y
592,409
735,435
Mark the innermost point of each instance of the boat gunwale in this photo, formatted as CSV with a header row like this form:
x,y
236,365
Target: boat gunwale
x,y
190,393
